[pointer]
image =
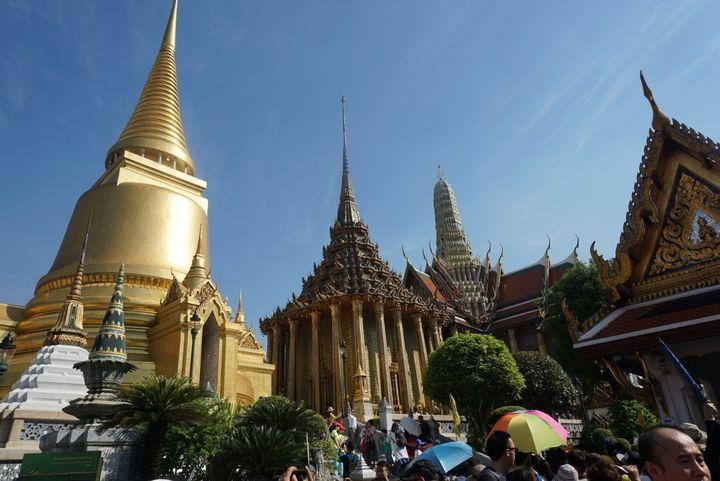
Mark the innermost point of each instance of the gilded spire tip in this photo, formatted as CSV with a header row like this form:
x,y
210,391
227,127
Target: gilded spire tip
x,y
660,120
171,28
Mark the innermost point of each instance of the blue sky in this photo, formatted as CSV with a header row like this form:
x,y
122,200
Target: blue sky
x,y
533,109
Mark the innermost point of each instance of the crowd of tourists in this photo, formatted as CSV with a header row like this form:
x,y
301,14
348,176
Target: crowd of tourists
x,y
663,453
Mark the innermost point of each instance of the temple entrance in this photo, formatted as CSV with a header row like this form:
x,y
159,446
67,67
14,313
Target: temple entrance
x,y
210,357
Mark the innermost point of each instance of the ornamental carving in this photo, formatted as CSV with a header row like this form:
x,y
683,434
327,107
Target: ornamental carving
x,y
249,342
691,233
175,292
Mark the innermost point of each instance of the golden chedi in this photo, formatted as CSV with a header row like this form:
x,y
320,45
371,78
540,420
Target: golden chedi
x,y
148,212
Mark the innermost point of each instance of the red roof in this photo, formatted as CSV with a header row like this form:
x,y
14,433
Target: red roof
x,y
431,286
678,317
521,285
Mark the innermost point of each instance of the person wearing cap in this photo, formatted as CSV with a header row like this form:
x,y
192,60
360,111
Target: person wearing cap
x,y
566,472
330,415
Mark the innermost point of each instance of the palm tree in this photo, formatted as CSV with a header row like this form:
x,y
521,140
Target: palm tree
x,y
156,403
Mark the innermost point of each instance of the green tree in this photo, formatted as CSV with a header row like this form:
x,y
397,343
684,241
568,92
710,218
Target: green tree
x,y
629,418
480,373
283,414
189,449
547,386
580,289
156,404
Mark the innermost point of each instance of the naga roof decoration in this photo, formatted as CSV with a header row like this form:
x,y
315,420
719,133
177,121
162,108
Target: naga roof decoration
x,y
351,266
616,274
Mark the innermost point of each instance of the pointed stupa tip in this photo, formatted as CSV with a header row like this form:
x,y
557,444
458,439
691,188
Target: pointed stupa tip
x,y
171,28
76,287
659,120
109,343
155,129
347,210
198,271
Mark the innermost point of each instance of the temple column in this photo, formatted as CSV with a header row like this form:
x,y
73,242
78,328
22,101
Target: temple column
x,y
361,397
513,341
423,359
269,351
385,381
315,360
276,333
404,367
438,335
542,347
291,359
336,361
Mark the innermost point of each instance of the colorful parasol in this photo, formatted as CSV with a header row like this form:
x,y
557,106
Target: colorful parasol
x,y
445,456
532,431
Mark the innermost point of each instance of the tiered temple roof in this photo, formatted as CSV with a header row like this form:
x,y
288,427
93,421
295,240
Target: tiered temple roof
x,y
351,266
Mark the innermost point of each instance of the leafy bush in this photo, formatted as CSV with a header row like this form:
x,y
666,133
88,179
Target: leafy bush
x,y
497,413
624,444
548,388
602,438
281,413
480,373
629,418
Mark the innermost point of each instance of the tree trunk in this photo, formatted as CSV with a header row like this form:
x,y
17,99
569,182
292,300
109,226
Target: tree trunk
x,y
154,443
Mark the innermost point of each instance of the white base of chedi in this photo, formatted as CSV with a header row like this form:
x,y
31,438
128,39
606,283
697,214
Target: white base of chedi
x,y
49,383
34,405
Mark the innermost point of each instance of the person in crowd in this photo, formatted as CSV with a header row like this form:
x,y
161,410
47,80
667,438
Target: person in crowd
x,y
349,459
294,474
382,471
712,448
604,472
386,446
521,473
669,454
331,417
541,467
578,460
555,457
501,449
352,426
566,472
424,429
398,443
422,470
336,435
369,444
591,459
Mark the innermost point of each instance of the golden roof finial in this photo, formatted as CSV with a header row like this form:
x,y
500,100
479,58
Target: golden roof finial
x,y
155,129
660,120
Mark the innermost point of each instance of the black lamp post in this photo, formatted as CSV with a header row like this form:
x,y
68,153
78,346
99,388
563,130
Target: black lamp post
x,y
7,350
343,355
195,319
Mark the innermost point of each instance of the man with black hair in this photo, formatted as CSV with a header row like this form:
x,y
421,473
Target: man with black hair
x,y
501,450
669,454
576,459
422,470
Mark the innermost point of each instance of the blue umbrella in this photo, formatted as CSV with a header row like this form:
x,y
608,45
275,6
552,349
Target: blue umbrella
x,y
445,456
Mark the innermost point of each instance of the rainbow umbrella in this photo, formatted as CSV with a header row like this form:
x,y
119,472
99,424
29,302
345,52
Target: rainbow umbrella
x,y
532,431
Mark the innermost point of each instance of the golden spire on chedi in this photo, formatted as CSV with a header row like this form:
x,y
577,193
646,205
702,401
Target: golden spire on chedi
x,y
150,213
155,128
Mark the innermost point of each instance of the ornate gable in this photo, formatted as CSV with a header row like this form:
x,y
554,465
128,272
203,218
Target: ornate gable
x,y
671,235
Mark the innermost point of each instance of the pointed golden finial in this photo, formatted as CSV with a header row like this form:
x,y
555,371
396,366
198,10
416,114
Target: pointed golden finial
x,y
198,271
660,120
155,129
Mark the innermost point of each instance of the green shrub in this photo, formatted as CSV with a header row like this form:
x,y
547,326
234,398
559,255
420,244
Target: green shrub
x,y
624,444
629,418
548,387
601,438
496,414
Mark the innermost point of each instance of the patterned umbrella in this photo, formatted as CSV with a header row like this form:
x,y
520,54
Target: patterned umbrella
x,y
532,431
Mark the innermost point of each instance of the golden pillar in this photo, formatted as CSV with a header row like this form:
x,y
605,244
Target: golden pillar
x,y
315,360
291,359
423,359
336,361
276,333
513,341
404,367
385,381
361,398
437,330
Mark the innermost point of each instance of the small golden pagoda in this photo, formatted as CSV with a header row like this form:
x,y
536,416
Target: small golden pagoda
x,y
150,213
346,299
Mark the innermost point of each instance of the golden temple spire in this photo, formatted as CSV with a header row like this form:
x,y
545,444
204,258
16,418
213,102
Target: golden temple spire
x,y
660,120
347,210
68,329
155,129
198,271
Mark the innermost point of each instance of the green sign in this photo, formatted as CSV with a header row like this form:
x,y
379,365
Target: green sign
x,y
77,466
